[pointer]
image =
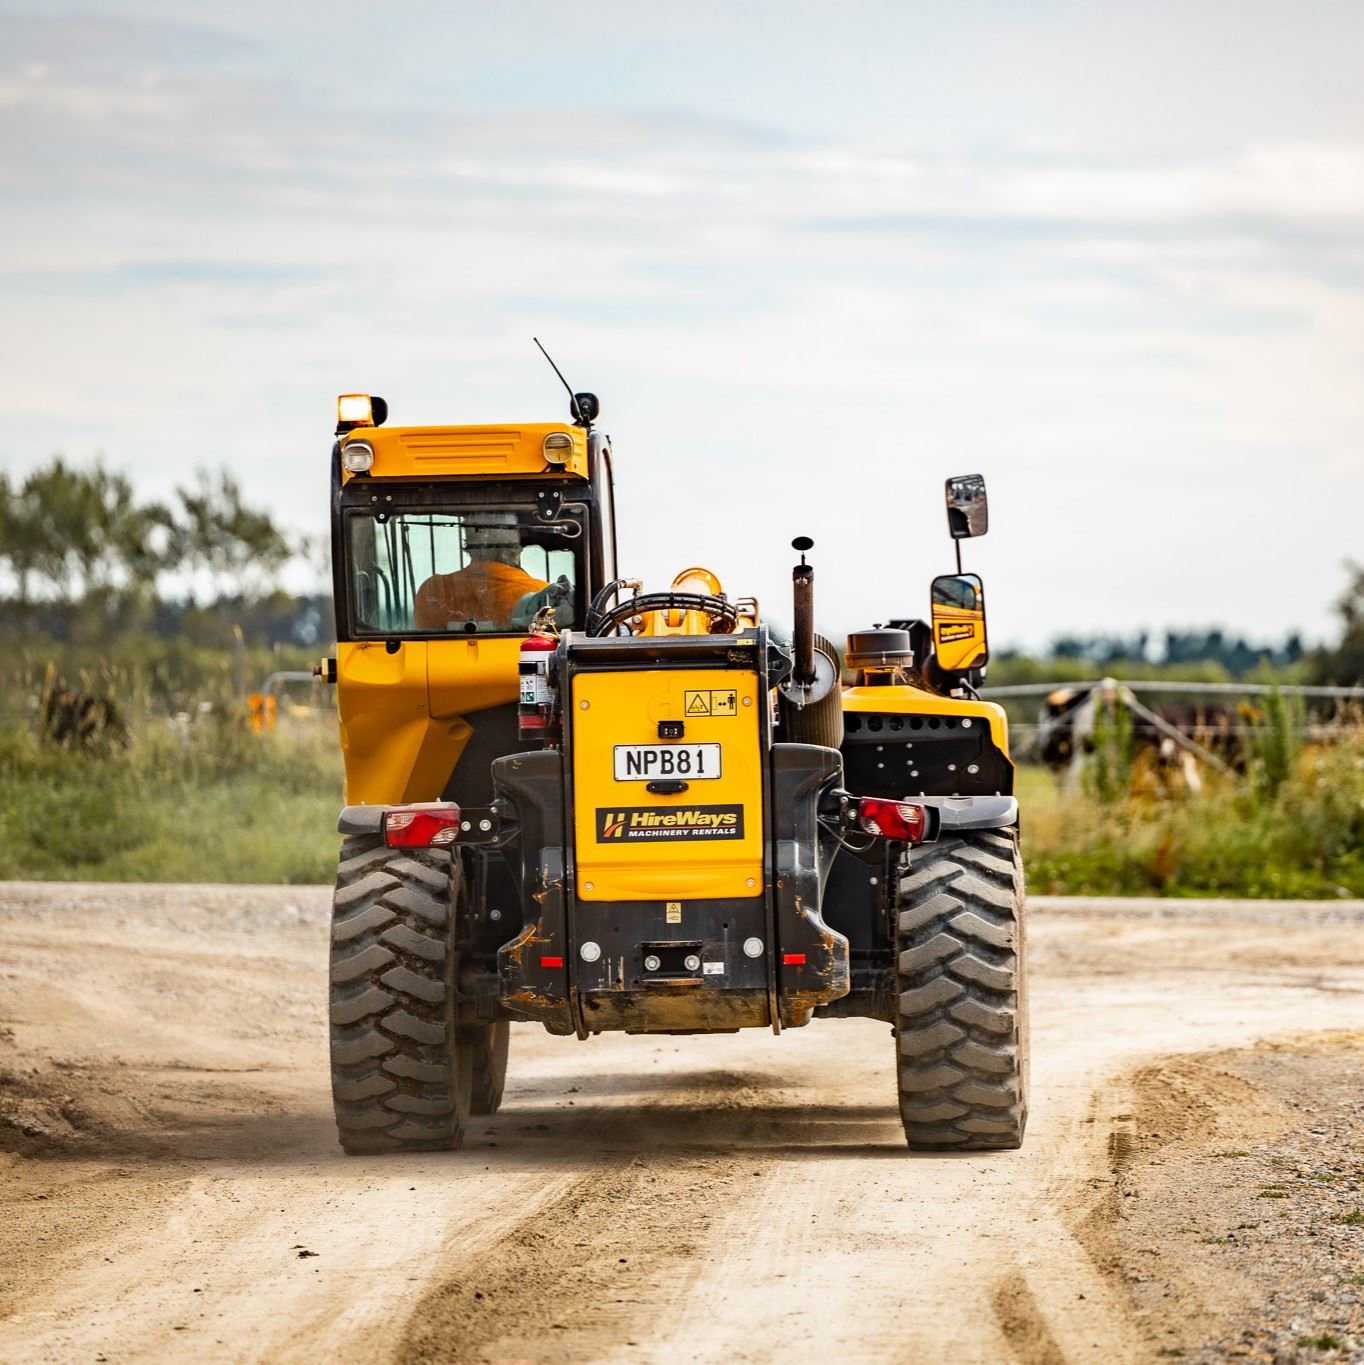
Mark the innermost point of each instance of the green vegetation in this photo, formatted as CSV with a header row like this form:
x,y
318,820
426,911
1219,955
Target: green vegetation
x,y
201,798
195,800
1299,835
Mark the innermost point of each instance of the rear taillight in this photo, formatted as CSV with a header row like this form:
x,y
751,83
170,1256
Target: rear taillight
x,y
893,819
431,826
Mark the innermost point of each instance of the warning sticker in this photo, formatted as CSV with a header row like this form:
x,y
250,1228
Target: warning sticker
x,y
718,701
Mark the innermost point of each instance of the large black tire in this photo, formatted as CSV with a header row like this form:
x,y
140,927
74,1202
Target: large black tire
x,y
962,1018
401,1071
490,1043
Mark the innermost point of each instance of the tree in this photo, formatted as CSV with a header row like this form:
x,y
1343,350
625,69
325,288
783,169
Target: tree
x,y
1344,665
11,536
54,504
227,539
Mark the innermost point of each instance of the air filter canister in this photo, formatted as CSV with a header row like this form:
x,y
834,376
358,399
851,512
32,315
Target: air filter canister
x,y
880,649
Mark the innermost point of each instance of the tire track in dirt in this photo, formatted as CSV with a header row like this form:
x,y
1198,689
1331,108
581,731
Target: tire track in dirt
x,y
614,1255
588,1267
1023,1323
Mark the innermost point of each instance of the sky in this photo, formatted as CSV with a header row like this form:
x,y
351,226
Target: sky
x,y
813,258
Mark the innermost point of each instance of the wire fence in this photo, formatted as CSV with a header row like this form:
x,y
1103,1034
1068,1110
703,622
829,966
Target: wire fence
x,y
1043,689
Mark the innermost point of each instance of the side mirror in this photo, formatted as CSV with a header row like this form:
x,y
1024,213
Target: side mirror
x,y
959,641
968,509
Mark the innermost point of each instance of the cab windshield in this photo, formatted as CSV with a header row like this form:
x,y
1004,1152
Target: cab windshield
x,y
434,572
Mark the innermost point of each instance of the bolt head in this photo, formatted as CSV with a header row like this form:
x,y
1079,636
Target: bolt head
x,y
691,962
652,963
753,947
590,951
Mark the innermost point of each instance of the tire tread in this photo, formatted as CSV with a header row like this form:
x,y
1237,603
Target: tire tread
x,y
961,1012
397,1079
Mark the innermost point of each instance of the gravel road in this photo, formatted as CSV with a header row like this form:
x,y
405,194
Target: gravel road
x,y
171,1188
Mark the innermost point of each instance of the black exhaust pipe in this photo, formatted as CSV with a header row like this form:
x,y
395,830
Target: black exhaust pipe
x,y
803,604
810,701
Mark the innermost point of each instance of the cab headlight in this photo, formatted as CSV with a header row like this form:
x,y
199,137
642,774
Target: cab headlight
x,y
357,456
558,447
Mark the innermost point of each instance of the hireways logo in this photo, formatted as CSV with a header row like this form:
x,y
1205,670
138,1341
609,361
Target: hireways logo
x,y
640,823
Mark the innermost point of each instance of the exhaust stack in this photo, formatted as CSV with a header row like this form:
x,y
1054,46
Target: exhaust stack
x,y
810,700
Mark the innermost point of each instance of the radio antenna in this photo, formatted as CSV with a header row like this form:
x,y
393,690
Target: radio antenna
x,y
572,397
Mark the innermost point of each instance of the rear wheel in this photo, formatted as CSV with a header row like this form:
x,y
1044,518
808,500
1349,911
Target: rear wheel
x,y
489,1044
962,1030
401,1068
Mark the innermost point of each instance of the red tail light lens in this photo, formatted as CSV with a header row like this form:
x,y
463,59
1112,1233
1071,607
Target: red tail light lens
x,y
432,826
892,819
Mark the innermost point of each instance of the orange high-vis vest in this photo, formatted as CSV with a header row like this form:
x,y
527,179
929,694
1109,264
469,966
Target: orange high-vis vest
x,y
478,592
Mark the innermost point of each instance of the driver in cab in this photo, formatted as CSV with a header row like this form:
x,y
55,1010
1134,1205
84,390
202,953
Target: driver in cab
x,y
492,588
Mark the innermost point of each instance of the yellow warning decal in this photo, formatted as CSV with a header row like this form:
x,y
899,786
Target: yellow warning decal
x,y
719,701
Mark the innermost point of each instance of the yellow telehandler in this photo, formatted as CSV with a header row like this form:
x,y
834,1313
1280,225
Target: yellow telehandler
x,y
577,803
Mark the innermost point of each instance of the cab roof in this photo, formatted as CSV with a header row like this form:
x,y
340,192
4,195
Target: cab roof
x,y
514,450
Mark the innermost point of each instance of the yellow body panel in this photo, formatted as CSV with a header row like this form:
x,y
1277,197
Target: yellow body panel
x,y
913,701
484,452
401,714
625,708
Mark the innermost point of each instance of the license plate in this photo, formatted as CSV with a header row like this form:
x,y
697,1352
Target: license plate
x,y
643,762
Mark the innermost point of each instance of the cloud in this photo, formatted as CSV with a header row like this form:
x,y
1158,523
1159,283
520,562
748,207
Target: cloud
x,y
187,234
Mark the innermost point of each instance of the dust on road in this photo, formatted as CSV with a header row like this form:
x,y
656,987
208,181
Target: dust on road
x,y
171,1187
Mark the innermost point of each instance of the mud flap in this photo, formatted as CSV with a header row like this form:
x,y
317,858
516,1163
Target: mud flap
x,y
959,813
532,969
810,960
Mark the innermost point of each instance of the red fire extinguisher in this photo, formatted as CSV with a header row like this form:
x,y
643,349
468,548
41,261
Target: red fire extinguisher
x,y
535,712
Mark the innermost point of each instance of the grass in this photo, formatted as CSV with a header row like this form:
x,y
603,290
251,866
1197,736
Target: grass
x,y
203,801
1323,1341
1297,832
1353,1219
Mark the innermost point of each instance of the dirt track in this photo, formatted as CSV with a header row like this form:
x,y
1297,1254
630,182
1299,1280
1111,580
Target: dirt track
x,y
172,1188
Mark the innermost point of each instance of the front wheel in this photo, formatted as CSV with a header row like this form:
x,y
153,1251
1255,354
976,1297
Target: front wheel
x,y
402,1070
961,1009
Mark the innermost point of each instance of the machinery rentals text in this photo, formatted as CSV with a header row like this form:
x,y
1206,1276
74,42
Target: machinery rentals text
x,y
576,803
